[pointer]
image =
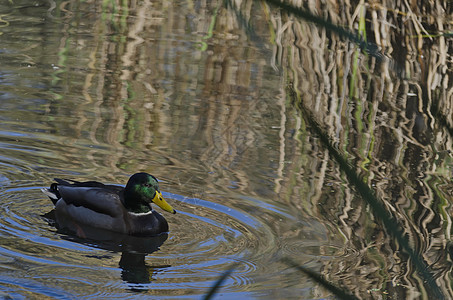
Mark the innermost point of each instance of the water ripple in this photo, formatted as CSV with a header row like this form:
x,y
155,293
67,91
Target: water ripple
x,y
205,239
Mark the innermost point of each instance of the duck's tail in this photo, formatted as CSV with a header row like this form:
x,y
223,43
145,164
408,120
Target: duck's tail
x,y
52,193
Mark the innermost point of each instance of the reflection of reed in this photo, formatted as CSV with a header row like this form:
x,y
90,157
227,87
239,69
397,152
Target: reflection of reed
x,y
133,54
168,103
387,126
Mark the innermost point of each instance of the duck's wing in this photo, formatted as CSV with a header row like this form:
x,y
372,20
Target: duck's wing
x,y
98,199
74,183
70,182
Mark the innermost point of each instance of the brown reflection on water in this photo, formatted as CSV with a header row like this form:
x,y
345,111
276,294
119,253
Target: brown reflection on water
x,y
169,101
396,132
179,90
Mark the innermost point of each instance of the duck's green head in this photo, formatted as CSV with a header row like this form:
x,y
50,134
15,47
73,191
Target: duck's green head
x,y
141,190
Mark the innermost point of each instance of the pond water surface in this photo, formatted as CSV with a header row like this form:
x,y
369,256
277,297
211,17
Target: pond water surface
x,y
90,90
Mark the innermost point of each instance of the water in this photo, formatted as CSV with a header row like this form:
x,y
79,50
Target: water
x,y
92,91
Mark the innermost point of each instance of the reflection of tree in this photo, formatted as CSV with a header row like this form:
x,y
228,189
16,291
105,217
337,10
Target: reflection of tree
x,y
390,128
155,97
151,92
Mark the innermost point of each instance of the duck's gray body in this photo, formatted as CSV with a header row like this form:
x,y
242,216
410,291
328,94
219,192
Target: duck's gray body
x,y
102,206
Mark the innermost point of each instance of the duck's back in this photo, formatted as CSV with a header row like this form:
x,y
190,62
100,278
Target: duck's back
x,y
94,206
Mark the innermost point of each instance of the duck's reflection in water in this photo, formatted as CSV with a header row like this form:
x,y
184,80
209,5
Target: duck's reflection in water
x,y
133,249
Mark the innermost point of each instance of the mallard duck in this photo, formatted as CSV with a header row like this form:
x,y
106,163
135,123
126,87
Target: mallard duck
x,y
124,210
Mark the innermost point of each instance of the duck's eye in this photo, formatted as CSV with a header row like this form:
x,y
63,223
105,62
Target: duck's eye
x,y
147,184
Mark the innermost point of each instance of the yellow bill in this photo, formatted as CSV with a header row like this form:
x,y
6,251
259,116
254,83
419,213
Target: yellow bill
x,y
160,201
